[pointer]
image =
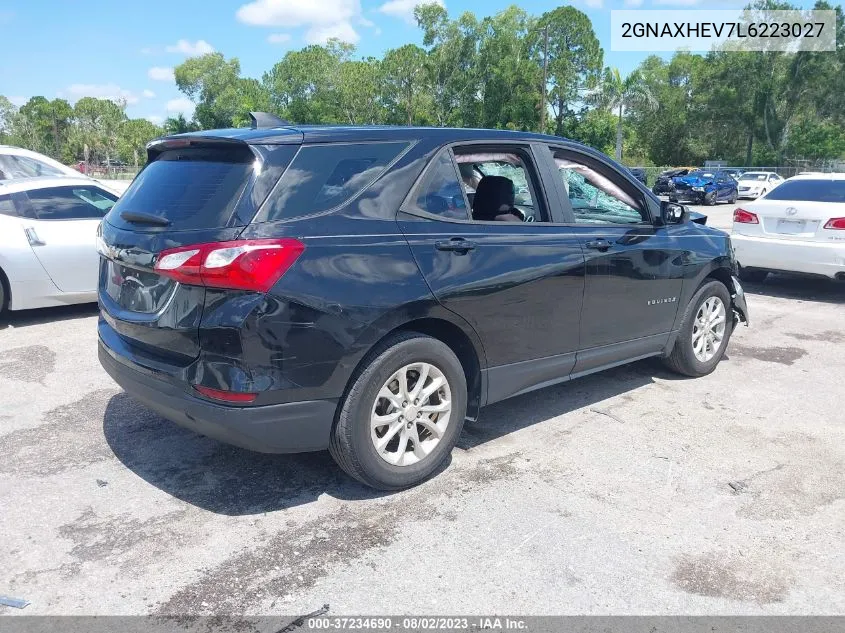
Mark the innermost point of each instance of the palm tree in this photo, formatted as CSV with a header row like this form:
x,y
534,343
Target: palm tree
x,y
618,94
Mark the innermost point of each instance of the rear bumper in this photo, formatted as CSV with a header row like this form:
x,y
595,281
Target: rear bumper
x,y
771,253
280,428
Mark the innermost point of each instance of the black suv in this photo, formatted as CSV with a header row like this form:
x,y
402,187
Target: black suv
x,y
367,289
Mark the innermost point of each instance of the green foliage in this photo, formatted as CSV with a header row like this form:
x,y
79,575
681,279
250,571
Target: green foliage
x,y
574,63
746,108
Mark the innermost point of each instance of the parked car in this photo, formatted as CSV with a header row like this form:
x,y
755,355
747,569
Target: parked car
x,y
663,184
640,174
48,228
704,187
754,184
297,289
798,227
16,162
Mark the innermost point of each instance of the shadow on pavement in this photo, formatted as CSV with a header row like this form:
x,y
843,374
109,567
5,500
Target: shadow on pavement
x,y
785,286
232,481
24,318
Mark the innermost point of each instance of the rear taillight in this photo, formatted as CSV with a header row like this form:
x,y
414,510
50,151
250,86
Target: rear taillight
x,y
239,265
741,216
836,224
226,396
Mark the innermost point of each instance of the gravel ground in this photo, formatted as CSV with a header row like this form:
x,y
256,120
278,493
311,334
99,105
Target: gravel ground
x,y
628,492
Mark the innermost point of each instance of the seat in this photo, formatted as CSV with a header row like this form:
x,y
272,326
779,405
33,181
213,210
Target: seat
x,y
494,197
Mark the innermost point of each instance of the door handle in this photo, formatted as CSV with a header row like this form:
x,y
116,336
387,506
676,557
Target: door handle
x,y
33,238
455,245
599,244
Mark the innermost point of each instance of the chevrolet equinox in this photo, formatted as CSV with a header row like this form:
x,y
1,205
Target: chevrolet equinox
x,y
368,289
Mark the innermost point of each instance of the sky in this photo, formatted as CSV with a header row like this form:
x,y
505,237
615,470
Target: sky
x,y
121,49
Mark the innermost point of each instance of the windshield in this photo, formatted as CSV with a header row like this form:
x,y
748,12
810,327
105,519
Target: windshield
x,y
754,176
701,174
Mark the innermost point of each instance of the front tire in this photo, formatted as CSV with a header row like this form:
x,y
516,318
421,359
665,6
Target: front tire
x,y
705,332
393,432
710,199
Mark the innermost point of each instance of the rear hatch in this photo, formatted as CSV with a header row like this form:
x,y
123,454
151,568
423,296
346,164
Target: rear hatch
x,y
194,190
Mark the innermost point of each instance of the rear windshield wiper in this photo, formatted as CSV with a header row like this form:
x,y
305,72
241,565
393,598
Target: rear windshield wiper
x,y
144,218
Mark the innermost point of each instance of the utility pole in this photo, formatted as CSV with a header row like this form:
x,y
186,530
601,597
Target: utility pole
x,y
543,106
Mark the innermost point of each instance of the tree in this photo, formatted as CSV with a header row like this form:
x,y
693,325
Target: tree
x,y
8,112
223,98
405,79
303,86
133,137
179,125
575,60
98,125
359,91
617,94
450,65
44,124
509,76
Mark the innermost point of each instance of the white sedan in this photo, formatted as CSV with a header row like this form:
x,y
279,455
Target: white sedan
x,y
48,232
755,184
799,227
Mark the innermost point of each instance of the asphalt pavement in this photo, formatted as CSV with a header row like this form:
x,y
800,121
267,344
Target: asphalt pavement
x,y
628,492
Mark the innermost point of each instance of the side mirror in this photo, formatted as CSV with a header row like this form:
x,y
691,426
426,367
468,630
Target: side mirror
x,y
673,213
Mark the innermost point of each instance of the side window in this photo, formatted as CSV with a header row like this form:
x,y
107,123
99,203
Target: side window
x,y
500,183
7,207
70,203
595,197
773,178
322,177
439,192
26,167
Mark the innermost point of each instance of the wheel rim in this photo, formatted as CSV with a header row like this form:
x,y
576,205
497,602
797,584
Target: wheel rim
x,y
708,331
411,413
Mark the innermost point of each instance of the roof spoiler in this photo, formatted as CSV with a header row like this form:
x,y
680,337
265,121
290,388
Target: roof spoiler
x,y
262,120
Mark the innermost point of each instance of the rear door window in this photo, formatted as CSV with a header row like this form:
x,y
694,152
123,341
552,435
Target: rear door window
x,y
70,203
322,177
440,192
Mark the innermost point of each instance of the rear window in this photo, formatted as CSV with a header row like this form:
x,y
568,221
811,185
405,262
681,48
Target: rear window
x,y
809,190
194,188
322,177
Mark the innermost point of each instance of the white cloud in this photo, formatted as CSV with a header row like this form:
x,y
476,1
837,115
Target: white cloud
x,y
366,23
148,94
155,119
291,13
147,51
278,38
18,100
191,49
183,105
404,9
101,91
633,3
342,31
594,4
160,73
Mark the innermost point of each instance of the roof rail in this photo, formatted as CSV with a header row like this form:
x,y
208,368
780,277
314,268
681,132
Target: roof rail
x,y
262,120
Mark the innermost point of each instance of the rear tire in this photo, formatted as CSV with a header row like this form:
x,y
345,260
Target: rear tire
x,y
753,276
734,197
684,358
393,455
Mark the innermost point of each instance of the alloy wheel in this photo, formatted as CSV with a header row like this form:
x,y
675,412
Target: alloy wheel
x,y
708,331
411,413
